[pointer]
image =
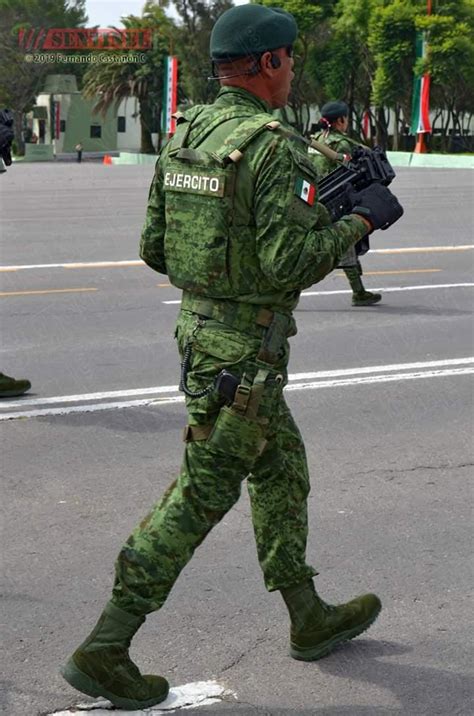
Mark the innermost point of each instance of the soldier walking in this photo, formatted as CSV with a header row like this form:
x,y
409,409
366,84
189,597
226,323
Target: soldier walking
x,y
232,220
333,127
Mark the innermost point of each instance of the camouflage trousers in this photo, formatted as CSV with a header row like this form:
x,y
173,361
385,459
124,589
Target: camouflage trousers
x,y
213,470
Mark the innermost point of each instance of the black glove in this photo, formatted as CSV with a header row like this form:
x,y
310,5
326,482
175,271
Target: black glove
x,y
378,205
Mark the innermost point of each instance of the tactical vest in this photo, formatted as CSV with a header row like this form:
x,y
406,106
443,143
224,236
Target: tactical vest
x,y
323,164
207,232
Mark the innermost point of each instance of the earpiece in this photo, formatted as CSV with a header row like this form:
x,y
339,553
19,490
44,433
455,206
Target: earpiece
x,y
275,61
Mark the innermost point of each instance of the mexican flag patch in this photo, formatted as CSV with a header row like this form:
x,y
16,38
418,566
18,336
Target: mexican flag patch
x,y
305,190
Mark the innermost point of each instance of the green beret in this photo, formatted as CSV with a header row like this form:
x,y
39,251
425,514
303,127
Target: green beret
x,y
333,110
250,30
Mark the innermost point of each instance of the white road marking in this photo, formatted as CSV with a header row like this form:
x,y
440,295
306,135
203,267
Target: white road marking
x,y
93,396
379,379
139,262
297,381
423,249
381,368
188,696
342,372
91,408
82,264
391,289
385,289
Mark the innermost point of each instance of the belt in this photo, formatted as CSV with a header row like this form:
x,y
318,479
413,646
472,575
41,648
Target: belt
x,y
246,317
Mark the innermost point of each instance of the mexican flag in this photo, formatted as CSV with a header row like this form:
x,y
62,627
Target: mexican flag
x,y
366,124
305,190
170,93
420,115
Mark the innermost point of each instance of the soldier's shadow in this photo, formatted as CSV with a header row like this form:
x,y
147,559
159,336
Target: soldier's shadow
x,y
420,690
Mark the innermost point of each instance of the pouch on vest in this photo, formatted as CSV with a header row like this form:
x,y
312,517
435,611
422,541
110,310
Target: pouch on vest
x,y
199,187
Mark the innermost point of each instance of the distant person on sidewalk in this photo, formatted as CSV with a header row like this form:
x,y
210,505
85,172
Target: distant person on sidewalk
x,y
79,152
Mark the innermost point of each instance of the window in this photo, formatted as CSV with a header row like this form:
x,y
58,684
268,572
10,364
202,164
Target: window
x,y
96,131
121,124
62,125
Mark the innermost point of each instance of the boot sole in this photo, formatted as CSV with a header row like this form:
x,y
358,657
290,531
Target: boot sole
x,y
325,648
367,303
86,685
12,393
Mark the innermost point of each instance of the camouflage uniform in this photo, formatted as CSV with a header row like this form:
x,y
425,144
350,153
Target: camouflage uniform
x,y
350,263
237,317
344,145
232,221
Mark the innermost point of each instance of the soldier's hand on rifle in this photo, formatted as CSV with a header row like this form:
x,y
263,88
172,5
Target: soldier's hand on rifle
x,y
377,205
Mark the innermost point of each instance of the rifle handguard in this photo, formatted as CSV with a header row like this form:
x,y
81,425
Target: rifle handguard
x,y
330,153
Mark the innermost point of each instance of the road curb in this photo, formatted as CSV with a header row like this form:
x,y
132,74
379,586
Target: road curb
x,y
433,161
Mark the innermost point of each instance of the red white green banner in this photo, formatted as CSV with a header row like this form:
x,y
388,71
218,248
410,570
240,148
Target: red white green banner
x,y
420,115
170,94
366,124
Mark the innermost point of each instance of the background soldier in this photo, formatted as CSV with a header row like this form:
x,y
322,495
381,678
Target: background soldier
x,y
333,126
9,387
232,220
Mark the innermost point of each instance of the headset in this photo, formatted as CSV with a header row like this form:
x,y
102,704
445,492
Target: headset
x,y
252,71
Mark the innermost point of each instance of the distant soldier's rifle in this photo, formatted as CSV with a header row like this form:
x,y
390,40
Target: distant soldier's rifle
x,y
354,173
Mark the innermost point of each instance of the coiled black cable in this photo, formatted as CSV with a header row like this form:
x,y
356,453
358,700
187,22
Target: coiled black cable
x,y
185,363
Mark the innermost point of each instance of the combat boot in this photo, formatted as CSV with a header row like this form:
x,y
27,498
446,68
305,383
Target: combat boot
x,y
317,627
365,298
101,666
9,387
360,297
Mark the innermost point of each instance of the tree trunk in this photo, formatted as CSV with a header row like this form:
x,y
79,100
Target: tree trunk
x,y
395,142
381,125
18,129
146,141
159,142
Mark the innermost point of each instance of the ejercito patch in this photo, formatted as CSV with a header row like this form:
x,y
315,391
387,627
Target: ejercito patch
x,y
206,184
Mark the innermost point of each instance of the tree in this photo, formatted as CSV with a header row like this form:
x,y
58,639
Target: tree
x,y
192,44
392,36
450,62
21,81
312,19
115,81
346,63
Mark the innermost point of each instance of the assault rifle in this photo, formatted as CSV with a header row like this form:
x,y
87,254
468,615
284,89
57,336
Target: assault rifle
x,y
356,172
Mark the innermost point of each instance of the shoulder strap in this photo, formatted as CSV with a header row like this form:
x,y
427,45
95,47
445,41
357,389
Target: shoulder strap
x,y
235,144
214,124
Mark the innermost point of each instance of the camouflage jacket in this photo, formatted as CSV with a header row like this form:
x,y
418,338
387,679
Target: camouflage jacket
x,y
281,239
336,140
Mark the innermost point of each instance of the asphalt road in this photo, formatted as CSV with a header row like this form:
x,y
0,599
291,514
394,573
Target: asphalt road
x,y
383,396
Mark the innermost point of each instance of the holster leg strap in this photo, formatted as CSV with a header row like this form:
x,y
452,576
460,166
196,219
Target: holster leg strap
x,y
192,433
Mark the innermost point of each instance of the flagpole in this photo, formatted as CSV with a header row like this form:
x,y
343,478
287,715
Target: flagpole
x,y
421,147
